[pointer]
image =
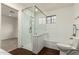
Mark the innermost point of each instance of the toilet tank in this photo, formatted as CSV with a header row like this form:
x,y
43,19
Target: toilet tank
x,y
76,43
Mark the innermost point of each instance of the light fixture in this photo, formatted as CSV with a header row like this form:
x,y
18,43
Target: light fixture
x,y
11,13
36,9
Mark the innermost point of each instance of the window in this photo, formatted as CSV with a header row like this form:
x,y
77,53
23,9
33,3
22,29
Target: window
x,y
42,20
47,20
51,19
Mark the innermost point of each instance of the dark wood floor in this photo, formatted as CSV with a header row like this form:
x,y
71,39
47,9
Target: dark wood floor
x,y
48,51
44,51
21,51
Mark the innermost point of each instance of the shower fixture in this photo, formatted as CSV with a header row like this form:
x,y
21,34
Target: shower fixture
x,y
75,29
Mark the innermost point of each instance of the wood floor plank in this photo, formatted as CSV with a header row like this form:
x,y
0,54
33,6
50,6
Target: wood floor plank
x,y
48,51
21,51
44,51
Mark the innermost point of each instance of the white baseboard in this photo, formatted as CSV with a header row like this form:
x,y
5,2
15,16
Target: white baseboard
x,y
51,44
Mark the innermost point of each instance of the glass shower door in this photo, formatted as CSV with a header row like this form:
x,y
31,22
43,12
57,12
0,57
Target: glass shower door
x,y
26,39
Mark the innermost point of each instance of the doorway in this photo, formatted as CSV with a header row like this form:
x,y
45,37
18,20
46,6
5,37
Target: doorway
x,y
9,28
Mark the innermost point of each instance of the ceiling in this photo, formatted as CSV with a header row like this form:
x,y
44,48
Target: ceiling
x,y
45,7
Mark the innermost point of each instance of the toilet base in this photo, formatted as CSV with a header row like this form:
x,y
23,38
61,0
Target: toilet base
x,y
62,53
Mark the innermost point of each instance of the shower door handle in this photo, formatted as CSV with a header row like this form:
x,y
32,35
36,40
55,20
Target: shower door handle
x,y
30,29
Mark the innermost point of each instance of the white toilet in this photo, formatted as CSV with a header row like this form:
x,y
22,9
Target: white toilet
x,y
64,48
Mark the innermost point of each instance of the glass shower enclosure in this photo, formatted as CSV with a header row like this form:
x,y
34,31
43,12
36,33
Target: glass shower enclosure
x,y
31,27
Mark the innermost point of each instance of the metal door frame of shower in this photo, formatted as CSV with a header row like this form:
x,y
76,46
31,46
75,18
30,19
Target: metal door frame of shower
x,y
35,7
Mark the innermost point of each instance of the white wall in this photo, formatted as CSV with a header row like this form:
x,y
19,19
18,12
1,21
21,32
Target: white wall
x,y
0,24
76,9
63,29
9,27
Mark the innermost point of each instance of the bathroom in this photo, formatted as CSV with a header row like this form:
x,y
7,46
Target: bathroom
x,y
48,32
